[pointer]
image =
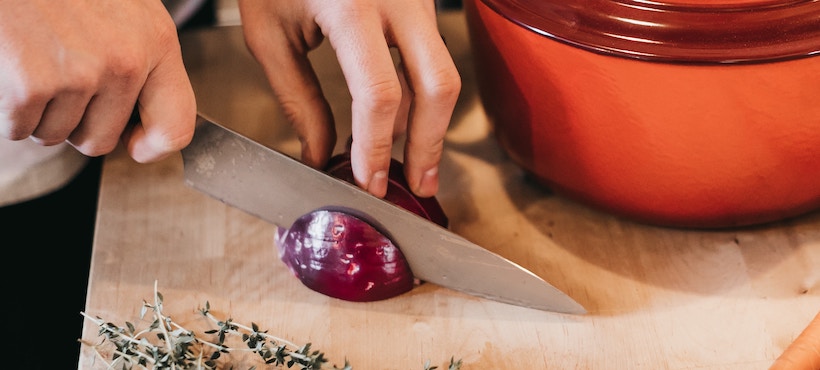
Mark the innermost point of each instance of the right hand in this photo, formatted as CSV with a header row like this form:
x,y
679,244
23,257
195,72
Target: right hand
x,y
74,71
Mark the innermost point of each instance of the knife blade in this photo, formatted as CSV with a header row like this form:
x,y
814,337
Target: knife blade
x,y
279,189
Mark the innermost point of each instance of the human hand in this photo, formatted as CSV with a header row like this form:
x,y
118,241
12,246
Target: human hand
x,y
74,70
418,100
804,352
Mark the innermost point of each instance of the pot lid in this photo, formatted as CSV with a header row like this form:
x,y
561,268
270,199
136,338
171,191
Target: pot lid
x,y
691,31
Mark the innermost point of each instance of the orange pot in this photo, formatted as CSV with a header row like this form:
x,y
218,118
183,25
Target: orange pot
x,y
691,114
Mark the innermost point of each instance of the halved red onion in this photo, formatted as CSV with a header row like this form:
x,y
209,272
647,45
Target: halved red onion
x,y
343,256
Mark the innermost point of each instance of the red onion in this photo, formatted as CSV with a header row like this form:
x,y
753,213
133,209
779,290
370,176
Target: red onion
x,y
398,191
342,256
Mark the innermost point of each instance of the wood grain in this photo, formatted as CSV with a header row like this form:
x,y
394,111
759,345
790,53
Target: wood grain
x,y
658,298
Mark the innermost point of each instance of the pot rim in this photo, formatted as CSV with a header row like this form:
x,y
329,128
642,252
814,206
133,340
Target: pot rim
x,y
727,32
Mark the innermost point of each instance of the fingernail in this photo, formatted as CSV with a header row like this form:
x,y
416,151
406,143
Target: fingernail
x,y
429,183
378,184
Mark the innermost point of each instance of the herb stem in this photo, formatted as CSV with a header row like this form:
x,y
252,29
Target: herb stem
x,y
157,308
119,333
183,350
267,336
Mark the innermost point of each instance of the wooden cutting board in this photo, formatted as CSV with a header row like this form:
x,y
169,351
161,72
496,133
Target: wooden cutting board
x,y
658,298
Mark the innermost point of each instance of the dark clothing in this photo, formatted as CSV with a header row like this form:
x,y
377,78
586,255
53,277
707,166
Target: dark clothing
x,y
48,244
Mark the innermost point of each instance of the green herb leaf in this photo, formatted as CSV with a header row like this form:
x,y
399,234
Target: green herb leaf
x,y
178,348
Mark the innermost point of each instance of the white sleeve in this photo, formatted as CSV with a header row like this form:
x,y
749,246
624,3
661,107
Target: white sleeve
x,y
29,170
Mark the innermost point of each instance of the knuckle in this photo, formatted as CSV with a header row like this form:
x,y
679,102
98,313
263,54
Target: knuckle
x,y
166,31
382,96
432,149
292,107
30,92
255,43
83,81
79,78
376,152
17,117
445,87
125,67
13,133
12,129
379,149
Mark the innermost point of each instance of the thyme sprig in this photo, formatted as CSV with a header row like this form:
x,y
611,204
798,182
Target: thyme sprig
x,y
177,348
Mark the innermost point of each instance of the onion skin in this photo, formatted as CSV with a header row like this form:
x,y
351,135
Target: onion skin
x,y
342,256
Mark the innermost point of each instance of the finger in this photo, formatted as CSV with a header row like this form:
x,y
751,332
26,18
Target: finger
x,y
804,352
436,84
167,108
21,105
363,54
104,121
60,117
282,53
73,88
18,121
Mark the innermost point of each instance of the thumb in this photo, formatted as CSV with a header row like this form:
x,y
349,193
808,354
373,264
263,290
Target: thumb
x,y
167,109
804,352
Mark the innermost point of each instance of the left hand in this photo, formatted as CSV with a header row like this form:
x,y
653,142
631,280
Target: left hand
x,y
417,100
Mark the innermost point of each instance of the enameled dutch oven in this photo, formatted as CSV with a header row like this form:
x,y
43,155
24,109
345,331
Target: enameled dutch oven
x,y
682,113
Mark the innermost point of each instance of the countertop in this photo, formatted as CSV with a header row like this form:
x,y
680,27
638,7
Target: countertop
x,y
658,298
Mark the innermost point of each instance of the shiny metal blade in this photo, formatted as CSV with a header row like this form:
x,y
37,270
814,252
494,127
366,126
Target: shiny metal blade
x,y
278,188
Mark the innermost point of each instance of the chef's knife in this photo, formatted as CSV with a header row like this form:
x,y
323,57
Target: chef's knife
x,y
279,189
